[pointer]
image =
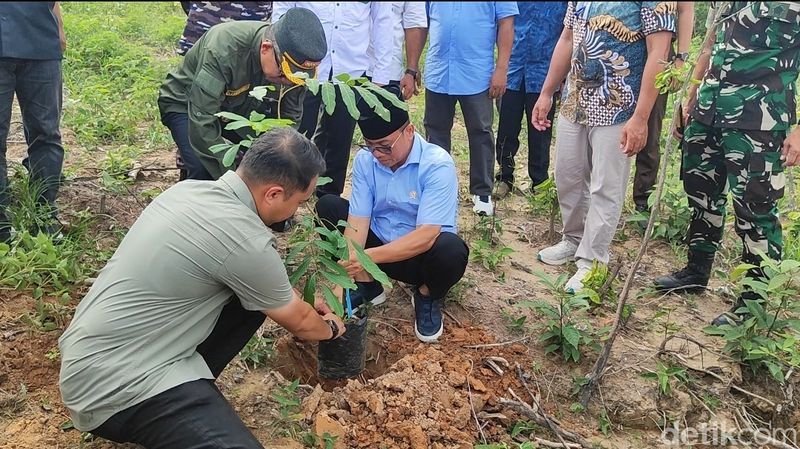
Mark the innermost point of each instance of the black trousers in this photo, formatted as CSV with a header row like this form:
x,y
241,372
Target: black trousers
x,y
513,105
647,160
440,268
193,415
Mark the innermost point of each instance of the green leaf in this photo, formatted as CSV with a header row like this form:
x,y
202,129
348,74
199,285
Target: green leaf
x,y
219,148
571,335
387,95
341,281
231,116
373,102
299,272
323,180
328,98
326,246
257,116
332,266
343,77
310,288
230,156
741,270
312,84
333,302
259,92
296,249
237,125
371,267
349,99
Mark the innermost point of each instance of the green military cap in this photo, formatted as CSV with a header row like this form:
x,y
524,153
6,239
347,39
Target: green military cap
x,y
301,43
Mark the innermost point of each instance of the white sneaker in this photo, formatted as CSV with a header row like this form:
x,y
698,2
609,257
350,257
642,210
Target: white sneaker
x,y
483,205
575,283
558,254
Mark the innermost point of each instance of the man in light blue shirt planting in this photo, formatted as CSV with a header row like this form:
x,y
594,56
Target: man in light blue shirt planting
x,y
403,209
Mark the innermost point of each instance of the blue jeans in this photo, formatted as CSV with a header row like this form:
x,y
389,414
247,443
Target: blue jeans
x,y
178,124
37,84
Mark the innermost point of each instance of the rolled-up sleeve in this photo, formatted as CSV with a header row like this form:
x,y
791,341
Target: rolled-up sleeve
x,y
256,274
414,15
658,16
505,9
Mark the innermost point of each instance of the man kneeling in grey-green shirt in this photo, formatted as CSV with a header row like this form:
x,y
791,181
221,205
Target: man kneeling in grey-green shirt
x,y
188,286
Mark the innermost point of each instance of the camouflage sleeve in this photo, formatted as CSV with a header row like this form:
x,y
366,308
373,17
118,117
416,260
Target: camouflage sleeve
x,y
658,16
569,17
205,100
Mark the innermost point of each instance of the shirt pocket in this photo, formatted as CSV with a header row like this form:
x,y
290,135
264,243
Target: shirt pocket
x,y
781,24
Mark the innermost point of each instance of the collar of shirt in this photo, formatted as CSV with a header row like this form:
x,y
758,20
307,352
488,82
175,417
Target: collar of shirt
x,y
231,182
259,37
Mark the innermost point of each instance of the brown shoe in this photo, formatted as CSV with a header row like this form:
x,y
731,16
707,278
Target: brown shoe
x,y
501,190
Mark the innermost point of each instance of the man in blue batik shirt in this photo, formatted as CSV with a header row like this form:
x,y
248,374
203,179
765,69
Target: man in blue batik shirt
x,y
460,67
536,31
403,209
609,54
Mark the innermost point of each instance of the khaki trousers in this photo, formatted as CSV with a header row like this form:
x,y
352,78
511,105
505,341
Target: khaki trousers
x,y
591,174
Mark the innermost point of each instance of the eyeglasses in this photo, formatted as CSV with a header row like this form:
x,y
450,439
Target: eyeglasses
x,y
383,149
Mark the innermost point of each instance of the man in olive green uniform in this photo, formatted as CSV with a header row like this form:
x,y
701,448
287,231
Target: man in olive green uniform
x,y
737,137
219,72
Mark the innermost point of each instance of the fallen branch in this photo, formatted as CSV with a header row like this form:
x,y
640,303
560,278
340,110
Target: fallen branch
x,y
726,382
610,279
759,437
494,345
521,267
452,317
546,443
472,405
593,379
526,410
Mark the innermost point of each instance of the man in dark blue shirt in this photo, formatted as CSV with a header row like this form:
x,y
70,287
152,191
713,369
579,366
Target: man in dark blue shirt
x,y
31,47
536,31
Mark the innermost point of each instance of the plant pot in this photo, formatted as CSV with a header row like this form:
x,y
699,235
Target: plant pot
x,y
346,356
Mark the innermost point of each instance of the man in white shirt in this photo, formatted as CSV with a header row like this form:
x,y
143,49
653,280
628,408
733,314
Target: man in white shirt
x,y
349,30
410,27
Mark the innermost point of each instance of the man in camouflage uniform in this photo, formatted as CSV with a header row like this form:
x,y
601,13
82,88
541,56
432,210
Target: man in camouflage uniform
x,y
221,70
737,137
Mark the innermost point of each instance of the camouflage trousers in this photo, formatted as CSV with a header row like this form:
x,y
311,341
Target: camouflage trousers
x,y
746,163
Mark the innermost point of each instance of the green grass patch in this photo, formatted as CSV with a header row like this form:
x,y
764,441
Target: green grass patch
x,y
117,56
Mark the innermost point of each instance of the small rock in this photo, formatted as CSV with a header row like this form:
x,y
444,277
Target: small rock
x,y
456,379
434,368
476,384
461,419
418,438
375,404
325,424
286,443
311,402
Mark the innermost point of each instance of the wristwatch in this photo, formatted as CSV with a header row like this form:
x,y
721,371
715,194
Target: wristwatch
x,y
334,328
682,56
413,73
